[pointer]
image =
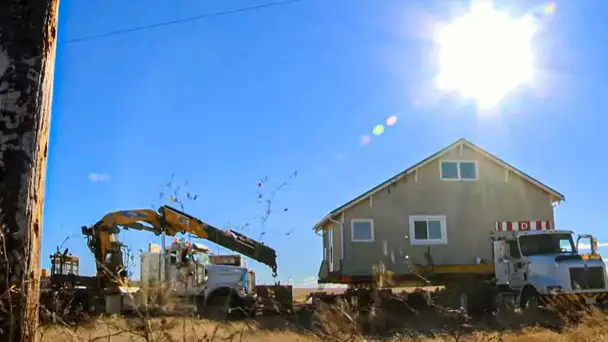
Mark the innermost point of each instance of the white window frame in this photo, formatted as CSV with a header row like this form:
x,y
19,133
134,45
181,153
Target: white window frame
x,y
444,234
459,178
352,229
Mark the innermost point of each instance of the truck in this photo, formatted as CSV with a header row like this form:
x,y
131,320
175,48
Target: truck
x,y
531,264
543,266
191,269
190,273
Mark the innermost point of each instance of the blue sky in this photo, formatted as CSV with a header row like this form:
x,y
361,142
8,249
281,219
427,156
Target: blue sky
x,y
224,101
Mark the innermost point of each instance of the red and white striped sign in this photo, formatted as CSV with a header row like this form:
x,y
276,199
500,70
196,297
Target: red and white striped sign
x,y
516,226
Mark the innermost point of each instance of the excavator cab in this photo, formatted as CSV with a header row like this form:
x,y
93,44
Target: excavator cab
x,y
592,245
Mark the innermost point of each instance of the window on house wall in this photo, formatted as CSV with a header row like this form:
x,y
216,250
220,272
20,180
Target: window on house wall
x,y
362,230
458,170
428,230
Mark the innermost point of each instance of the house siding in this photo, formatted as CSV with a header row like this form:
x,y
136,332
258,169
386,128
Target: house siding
x,y
471,208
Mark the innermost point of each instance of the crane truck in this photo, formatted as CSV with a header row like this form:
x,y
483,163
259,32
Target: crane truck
x,y
214,285
530,263
185,275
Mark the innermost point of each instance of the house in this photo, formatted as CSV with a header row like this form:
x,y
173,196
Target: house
x,y
439,211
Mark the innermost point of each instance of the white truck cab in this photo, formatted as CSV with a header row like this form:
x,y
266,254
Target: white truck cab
x,y
546,265
191,273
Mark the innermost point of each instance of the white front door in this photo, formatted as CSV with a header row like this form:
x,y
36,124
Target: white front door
x,y
331,249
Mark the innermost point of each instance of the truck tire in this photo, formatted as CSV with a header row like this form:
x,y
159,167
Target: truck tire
x,y
217,307
529,298
477,300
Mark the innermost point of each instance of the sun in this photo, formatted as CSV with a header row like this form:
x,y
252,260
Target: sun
x,y
485,54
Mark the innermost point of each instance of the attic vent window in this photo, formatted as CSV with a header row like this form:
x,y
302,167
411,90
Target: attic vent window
x,y
459,170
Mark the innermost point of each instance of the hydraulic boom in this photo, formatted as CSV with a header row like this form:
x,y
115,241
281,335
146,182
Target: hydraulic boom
x,y
103,236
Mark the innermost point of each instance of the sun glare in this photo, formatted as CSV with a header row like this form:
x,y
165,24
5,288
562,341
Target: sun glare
x,y
485,54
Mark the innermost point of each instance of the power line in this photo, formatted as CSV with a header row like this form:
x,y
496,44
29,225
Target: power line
x,y
181,21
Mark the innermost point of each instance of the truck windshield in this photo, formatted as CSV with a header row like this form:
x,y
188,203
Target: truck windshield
x,y
546,244
201,258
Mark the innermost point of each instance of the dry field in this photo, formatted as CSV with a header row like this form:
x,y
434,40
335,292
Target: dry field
x,y
593,328
332,324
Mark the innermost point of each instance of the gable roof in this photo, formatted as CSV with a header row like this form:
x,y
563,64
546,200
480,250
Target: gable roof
x,y
557,197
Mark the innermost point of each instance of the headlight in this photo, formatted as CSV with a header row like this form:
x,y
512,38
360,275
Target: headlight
x,y
241,290
555,289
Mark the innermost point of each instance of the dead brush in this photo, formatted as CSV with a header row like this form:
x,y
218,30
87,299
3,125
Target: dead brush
x,y
336,322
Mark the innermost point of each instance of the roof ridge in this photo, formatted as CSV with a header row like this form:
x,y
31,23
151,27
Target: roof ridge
x,y
428,159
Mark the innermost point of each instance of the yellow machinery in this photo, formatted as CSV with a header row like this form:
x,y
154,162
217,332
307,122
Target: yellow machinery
x,y
102,240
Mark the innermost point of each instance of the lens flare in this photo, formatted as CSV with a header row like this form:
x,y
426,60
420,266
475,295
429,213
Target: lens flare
x,y
391,120
541,12
379,129
549,8
365,140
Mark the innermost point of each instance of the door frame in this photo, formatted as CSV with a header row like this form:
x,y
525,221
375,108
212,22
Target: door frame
x,y
330,242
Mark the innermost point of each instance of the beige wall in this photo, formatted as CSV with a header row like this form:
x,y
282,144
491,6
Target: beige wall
x,y
471,209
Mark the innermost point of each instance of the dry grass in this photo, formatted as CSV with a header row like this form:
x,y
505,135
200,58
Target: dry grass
x,y
169,329
200,330
333,324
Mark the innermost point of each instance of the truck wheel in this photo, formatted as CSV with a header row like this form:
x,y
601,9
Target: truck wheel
x,y
529,299
217,307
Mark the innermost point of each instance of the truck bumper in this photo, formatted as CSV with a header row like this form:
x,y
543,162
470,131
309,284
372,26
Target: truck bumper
x,y
581,298
247,302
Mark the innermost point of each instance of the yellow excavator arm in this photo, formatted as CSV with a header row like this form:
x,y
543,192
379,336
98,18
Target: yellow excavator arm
x,y
106,229
176,222
102,237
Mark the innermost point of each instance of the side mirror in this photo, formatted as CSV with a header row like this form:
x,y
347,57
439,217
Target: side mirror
x,y
592,243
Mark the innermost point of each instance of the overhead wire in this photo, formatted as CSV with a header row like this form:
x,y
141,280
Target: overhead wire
x,y
181,21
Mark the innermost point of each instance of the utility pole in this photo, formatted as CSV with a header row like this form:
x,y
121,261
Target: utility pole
x,y
28,32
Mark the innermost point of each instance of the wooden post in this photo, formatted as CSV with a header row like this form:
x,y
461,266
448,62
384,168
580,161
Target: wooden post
x,y
28,31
